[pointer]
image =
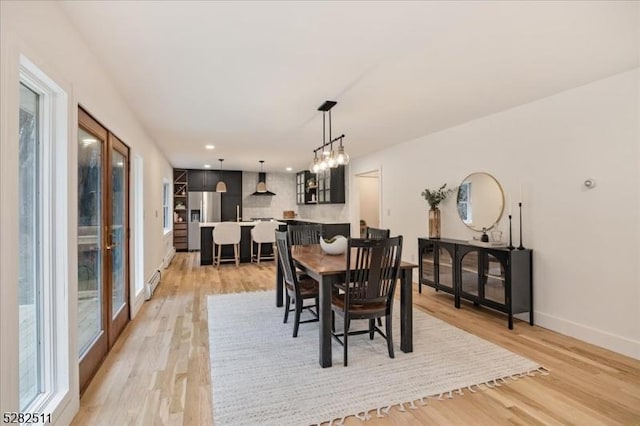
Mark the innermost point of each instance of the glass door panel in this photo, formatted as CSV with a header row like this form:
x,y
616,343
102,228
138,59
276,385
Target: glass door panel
x,y
469,273
428,264
445,268
494,277
117,239
90,254
117,236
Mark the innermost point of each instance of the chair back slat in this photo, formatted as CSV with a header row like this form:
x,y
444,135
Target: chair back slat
x,y
376,233
300,235
286,261
372,269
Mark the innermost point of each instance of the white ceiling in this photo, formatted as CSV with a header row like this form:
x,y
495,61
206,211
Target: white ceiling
x,y
249,76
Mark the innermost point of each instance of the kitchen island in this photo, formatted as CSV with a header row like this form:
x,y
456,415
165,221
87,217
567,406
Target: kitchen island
x,y
206,242
329,229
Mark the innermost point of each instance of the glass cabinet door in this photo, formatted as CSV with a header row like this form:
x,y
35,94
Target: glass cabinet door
x,y
494,275
428,264
445,268
469,266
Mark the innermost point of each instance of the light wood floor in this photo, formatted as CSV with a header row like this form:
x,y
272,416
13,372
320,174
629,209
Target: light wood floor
x,y
158,372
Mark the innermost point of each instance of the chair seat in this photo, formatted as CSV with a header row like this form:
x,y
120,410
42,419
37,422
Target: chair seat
x,y
308,288
368,309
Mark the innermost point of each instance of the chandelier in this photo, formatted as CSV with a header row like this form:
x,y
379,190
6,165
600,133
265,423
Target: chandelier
x,y
324,157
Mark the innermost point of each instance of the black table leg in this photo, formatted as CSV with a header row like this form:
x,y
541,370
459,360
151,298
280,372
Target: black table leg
x,y
279,284
406,310
325,322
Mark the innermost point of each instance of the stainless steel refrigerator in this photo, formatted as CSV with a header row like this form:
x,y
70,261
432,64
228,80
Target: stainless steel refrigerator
x,y
203,207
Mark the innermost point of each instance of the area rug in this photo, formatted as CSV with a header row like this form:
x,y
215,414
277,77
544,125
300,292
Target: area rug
x,y
262,375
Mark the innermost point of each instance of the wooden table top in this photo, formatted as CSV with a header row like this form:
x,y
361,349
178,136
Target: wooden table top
x,y
315,259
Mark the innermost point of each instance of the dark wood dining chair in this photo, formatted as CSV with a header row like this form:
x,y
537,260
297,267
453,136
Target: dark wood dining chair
x,y
300,235
373,268
298,289
377,233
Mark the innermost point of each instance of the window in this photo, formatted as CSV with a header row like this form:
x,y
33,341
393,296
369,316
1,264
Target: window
x,y
166,209
42,216
29,260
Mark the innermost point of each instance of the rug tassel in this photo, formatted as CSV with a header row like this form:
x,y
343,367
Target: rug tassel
x,y
379,415
423,401
402,407
440,397
460,392
412,405
450,396
488,384
471,389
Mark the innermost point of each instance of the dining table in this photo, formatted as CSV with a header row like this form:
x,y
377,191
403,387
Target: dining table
x,y
328,270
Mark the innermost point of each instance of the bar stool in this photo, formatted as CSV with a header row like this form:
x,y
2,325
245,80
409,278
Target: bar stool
x,y
226,233
263,232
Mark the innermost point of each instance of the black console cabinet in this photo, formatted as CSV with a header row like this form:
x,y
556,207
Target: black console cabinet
x,y
495,277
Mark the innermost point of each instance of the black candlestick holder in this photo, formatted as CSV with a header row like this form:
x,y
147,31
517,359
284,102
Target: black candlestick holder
x,y
510,246
520,247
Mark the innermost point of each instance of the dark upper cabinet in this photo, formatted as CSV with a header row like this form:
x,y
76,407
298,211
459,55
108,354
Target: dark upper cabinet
x,y
206,180
327,187
196,180
211,179
306,188
331,186
233,179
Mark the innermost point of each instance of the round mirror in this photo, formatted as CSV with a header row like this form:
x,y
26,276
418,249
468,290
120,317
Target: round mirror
x,y
480,201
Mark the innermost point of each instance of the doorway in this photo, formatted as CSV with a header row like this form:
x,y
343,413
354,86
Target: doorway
x,y
103,243
369,200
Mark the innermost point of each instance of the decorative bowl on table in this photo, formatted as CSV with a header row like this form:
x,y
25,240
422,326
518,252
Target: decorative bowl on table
x,y
335,245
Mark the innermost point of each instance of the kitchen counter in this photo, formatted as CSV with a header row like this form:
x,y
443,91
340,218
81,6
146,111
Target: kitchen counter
x,y
206,242
319,222
241,223
329,228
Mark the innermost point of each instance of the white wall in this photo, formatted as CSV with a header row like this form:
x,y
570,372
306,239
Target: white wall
x,y
369,206
585,242
42,32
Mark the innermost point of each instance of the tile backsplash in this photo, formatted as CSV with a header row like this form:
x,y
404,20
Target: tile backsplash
x,y
284,186
263,206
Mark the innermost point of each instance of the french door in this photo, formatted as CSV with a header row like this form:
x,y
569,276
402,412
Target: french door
x,y
103,243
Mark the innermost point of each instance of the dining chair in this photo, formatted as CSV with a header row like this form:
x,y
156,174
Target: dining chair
x,y
226,233
298,289
300,235
377,233
373,268
262,233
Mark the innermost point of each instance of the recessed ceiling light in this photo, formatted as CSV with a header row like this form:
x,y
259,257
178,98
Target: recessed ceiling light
x,y
209,146
289,169
207,166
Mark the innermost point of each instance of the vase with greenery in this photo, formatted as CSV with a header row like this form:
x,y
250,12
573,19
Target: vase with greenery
x,y
434,198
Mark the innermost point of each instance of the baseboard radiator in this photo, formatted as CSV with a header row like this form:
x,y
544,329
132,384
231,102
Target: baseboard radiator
x,y
151,284
168,258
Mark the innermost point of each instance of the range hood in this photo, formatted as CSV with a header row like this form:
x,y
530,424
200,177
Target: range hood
x,y
261,188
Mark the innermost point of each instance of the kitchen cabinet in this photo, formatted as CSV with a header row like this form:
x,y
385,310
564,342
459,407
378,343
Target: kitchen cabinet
x,y
326,187
331,186
306,188
180,193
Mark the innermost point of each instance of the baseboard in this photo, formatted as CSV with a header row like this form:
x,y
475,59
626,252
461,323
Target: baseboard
x,y
137,304
619,344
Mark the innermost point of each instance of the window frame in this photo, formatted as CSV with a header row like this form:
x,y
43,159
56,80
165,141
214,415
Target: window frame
x,y
53,224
